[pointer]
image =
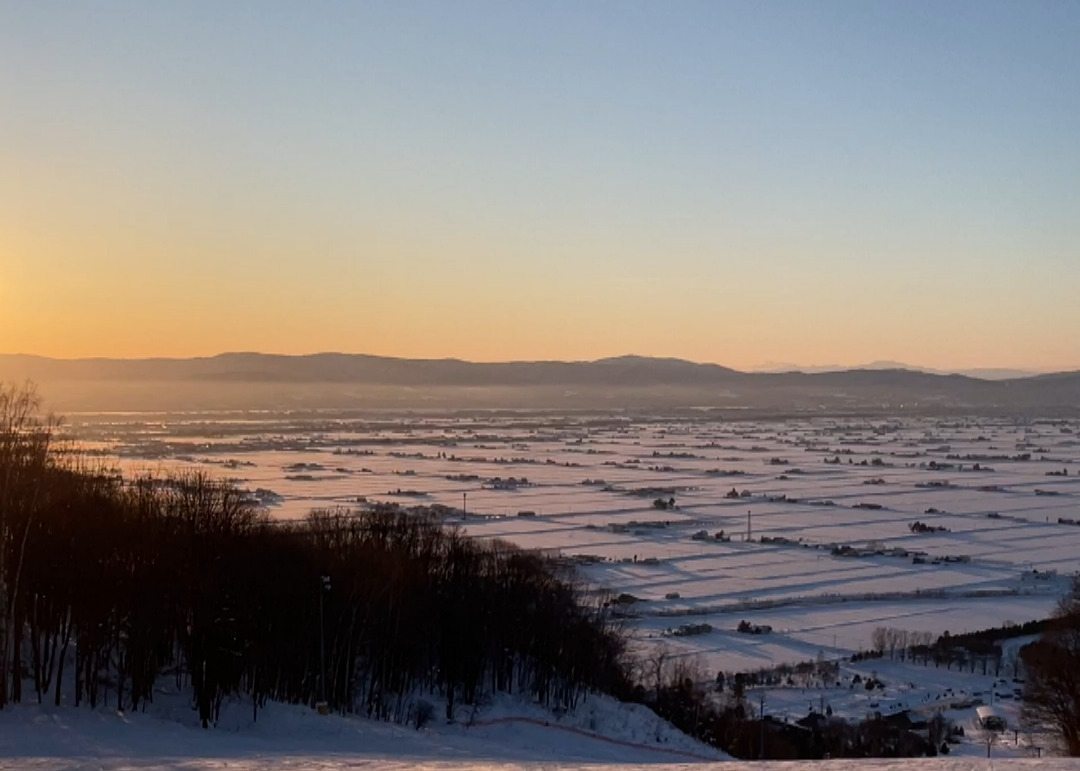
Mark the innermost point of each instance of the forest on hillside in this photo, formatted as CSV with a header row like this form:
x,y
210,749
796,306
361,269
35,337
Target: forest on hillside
x,y
109,583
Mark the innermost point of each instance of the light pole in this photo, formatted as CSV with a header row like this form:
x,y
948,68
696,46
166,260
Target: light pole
x,y
324,586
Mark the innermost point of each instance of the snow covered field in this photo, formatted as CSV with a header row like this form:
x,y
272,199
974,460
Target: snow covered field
x,y
996,495
800,632
822,530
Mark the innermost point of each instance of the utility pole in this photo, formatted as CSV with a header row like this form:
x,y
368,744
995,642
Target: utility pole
x,y
464,508
749,533
324,586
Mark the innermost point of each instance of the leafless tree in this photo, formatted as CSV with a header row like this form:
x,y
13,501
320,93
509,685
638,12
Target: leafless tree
x,y
121,580
1052,687
25,440
880,639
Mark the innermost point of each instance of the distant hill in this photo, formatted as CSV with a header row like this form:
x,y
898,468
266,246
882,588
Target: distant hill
x,y
982,373
339,381
361,368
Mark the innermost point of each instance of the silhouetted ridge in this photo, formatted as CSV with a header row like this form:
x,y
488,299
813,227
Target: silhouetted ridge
x,y
335,380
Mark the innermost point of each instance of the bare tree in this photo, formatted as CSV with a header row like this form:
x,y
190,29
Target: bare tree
x,y
122,580
902,637
657,666
880,639
938,729
1052,688
25,437
989,738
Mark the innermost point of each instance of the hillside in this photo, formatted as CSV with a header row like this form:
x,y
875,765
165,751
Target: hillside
x,y
506,733
43,739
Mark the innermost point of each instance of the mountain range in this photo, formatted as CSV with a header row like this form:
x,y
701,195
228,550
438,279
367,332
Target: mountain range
x,y
342,381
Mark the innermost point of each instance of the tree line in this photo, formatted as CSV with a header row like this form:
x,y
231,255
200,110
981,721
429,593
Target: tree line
x,y
109,583
727,717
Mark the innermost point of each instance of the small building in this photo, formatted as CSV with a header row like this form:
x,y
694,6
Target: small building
x,y
990,719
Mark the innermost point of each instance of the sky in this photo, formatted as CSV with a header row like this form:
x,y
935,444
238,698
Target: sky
x,y
722,181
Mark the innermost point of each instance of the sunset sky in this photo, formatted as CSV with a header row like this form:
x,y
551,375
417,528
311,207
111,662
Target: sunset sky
x,y
733,182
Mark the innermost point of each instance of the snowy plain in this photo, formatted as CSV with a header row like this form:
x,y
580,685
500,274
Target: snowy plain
x,y
760,511
1000,495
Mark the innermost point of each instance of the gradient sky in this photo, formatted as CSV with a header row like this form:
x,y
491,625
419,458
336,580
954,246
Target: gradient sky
x,y
737,182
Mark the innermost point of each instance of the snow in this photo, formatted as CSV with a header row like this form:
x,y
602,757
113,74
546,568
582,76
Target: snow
x,y
800,632
504,733
815,602
603,735
292,738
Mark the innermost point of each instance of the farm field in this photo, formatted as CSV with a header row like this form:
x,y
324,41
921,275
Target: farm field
x,y
820,529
